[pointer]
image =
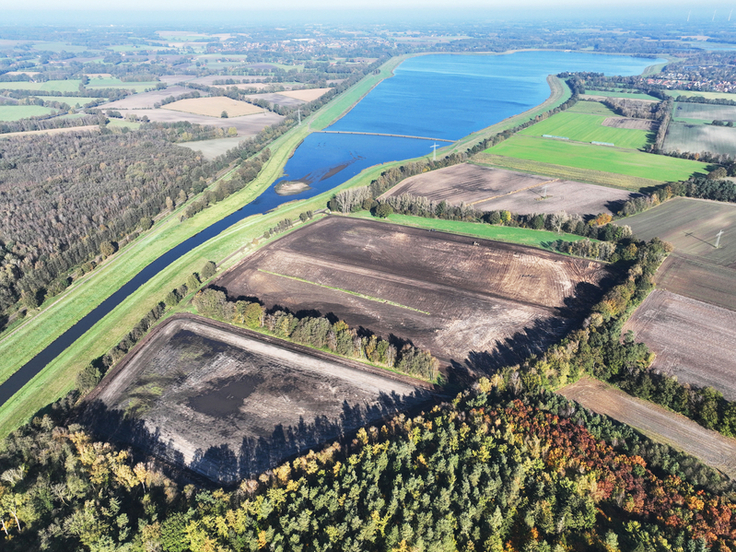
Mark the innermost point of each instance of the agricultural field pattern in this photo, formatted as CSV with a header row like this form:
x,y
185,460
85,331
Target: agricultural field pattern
x,y
486,302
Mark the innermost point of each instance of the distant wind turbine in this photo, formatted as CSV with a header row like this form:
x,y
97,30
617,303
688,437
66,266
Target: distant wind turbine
x,y
688,15
730,14
714,16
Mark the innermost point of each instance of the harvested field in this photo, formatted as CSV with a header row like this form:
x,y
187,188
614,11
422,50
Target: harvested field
x,y
689,338
277,98
213,107
630,123
655,422
697,138
698,279
696,269
704,112
307,95
490,304
146,100
210,79
628,95
488,189
248,125
212,148
228,403
692,226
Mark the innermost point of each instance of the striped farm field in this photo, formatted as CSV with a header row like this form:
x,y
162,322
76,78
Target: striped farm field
x,y
582,127
598,158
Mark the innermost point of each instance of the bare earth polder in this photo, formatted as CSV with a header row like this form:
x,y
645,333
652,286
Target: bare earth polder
x,y
488,189
656,423
228,403
690,338
489,304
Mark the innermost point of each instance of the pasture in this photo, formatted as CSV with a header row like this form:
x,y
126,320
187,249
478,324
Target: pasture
x,y
581,127
213,107
656,423
228,403
489,189
591,108
704,112
48,86
491,303
114,82
689,338
597,158
696,138
17,112
696,269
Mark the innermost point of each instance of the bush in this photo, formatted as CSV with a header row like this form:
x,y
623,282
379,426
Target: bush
x,y
208,270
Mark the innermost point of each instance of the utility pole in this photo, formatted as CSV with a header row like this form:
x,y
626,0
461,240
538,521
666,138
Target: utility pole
x,y
718,238
434,153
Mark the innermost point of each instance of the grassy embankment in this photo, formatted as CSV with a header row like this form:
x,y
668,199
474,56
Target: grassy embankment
x,y
25,341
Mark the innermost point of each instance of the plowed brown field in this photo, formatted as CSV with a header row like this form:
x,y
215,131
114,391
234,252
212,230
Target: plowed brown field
x,y
693,340
488,189
656,423
492,302
227,403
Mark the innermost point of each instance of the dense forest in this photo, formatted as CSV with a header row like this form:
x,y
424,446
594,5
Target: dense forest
x,y
498,469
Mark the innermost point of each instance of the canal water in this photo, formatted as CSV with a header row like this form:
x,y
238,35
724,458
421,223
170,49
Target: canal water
x,y
434,96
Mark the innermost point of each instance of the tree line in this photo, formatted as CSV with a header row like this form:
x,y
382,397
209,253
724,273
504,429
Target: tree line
x,y
320,333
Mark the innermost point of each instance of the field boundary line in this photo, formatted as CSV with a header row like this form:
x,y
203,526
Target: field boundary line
x,y
357,294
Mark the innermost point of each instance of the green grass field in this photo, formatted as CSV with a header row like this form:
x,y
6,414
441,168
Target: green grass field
x,y
598,158
522,236
49,86
592,108
582,127
620,94
703,112
58,47
17,112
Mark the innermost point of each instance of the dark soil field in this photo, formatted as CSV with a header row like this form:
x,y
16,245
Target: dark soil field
x,y
491,303
227,403
696,269
656,423
690,338
489,189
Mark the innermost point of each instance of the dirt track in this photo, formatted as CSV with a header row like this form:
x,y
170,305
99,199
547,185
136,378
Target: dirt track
x,y
488,189
656,423
691,339
495,302
228,403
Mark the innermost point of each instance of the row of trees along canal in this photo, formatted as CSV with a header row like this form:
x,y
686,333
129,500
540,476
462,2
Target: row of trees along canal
x,y
76,199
